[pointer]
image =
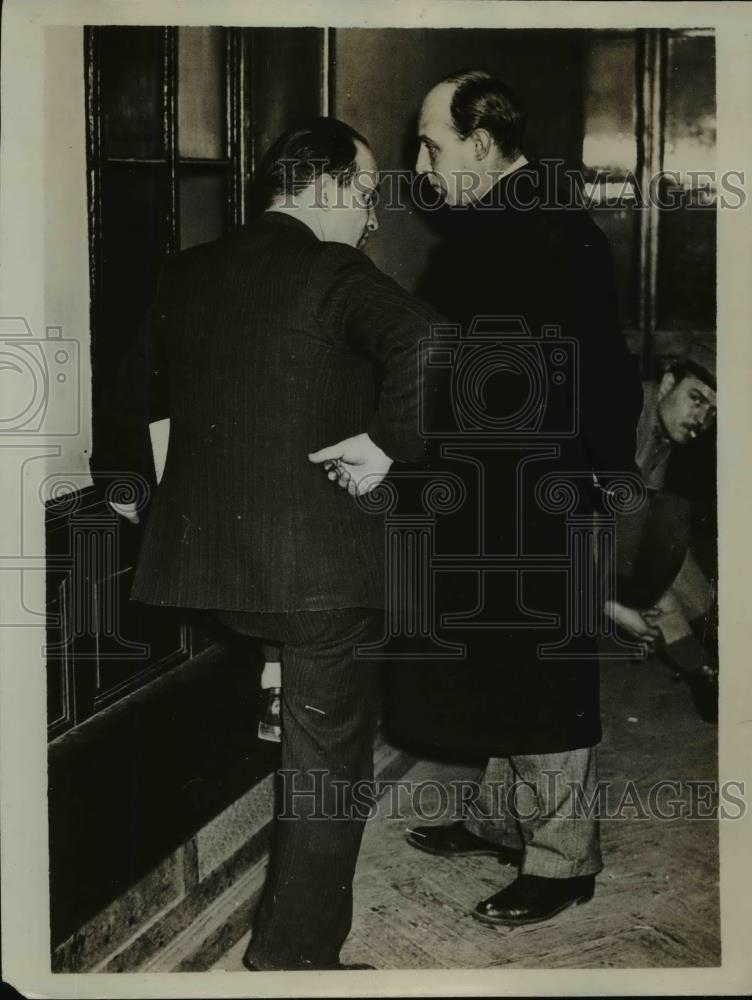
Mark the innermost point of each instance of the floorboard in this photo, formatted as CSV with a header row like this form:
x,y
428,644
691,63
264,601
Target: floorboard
x,y
656,901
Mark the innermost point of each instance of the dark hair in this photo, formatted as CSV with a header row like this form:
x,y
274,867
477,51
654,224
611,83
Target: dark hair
x,y
681,369
301,155
483,101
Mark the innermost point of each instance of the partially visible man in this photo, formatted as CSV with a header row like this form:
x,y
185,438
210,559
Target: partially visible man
x,y
278,340
653,545
511,248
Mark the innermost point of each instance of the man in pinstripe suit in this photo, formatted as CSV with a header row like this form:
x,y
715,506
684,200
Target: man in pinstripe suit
x,y
277,341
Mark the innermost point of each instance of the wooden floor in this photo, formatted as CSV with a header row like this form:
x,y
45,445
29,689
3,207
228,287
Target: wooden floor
x,y
656,901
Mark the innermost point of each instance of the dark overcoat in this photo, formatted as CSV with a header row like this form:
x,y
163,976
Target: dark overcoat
x,y
521,254
275,345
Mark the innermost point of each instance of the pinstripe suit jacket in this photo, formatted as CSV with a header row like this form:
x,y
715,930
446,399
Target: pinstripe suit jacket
x,y
275,345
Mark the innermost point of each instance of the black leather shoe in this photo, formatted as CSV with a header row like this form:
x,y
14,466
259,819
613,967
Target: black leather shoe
x,y
703,686
531,899
456,841
317,968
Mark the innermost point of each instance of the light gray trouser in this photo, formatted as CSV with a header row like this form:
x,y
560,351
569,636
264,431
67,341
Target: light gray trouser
x,y
539,802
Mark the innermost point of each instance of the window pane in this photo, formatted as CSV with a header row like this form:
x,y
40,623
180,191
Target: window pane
x,y
687,236
690,104
202,206
201,125
133,244
135,202
609,140
286,70
131,79
686,270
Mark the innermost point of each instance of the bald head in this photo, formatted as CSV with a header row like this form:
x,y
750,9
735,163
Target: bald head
x,y
438,102
469,130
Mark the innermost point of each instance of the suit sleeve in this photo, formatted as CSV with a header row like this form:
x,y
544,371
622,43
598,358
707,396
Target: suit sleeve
x,y
135,396
381,319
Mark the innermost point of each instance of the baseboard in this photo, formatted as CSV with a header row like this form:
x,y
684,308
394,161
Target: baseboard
x,y
210,887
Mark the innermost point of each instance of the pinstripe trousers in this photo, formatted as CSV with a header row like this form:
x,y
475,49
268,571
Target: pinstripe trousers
x,y
531,802
330,703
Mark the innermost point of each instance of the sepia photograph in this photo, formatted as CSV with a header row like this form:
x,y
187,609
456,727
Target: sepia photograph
x,y
360,440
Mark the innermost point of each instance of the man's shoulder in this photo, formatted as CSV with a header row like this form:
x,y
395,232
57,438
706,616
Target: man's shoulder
x,y
545,192
649,395
294,244
332,254
648,414
203,255
338,263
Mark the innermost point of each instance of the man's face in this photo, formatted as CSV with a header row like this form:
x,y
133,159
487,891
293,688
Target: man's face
x,y
685,408
351,215
449,162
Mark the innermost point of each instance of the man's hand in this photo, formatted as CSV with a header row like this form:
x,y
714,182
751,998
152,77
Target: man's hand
x,y
356,463
637,623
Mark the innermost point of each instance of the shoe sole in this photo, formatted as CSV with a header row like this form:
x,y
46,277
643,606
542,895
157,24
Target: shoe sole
x,y
479,853
506,922
270,735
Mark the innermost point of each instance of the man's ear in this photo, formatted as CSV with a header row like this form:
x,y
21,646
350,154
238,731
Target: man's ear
x,y
322,191
666,384
328,191
482,143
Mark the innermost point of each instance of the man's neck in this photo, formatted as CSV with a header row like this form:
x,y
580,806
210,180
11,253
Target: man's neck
x,y
308,216
660,430
502,169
